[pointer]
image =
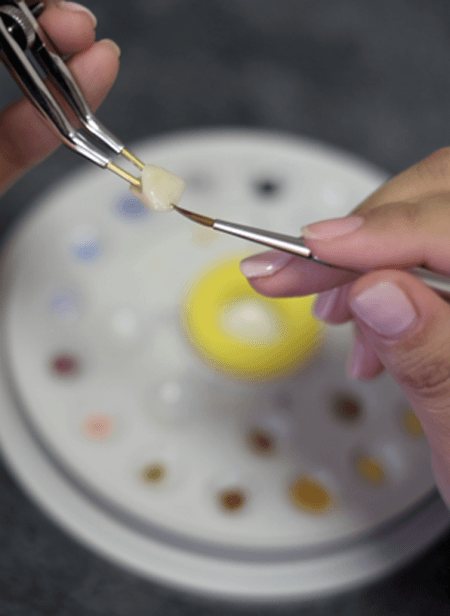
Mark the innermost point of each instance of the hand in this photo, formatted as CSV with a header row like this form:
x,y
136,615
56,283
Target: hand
x,y
25,139
401,325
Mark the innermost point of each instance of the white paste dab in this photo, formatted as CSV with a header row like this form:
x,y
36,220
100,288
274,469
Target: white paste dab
x,y
160,189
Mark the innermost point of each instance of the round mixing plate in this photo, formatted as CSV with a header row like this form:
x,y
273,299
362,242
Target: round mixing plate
x,y
181,424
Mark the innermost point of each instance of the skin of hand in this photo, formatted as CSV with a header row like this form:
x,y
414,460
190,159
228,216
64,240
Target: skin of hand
x,y
400,324
25,139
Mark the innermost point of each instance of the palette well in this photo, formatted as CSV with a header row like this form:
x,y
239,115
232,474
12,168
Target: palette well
x,y
186,441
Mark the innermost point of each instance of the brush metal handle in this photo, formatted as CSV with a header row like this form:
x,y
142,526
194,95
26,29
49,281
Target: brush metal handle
x,y
438,282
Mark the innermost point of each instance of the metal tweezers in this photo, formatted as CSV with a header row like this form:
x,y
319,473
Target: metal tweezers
x,y
21,34
296,246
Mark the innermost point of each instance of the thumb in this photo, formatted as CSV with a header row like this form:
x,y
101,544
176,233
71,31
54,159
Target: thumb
x,y
408,327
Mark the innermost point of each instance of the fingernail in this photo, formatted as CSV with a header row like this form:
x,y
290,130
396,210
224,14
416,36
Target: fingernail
x,y
265,264
113,46
384,308
329,229
356,359
75,7
324,303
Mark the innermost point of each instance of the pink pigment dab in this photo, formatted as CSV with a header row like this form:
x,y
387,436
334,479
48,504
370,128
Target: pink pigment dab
x,y
98,426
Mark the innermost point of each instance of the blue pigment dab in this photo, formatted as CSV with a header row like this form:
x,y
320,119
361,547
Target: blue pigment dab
x,y
130,208
86,248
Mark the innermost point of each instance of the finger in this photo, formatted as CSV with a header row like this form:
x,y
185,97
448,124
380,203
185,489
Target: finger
x,y
363,363
332,306
71,26
430,175
391,235
24,137
279,274
408,327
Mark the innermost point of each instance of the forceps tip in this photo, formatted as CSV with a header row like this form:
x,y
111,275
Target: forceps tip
x,y
132,158
131,179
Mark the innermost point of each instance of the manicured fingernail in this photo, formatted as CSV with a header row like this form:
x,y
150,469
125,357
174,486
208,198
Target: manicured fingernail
x,y
113,46
356,359
329,229
75,7
265,264
384,308
325,302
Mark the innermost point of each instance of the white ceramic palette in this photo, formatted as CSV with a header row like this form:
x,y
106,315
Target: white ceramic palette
x,y
248,489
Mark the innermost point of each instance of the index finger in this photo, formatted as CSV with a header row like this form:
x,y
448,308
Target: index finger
x,y
428,176
294,276
70,25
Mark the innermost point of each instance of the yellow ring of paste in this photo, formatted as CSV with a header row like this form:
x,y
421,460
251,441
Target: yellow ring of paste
x,y
217,289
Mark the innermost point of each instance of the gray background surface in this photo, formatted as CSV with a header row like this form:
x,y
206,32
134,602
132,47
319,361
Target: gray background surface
x,y
369,76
